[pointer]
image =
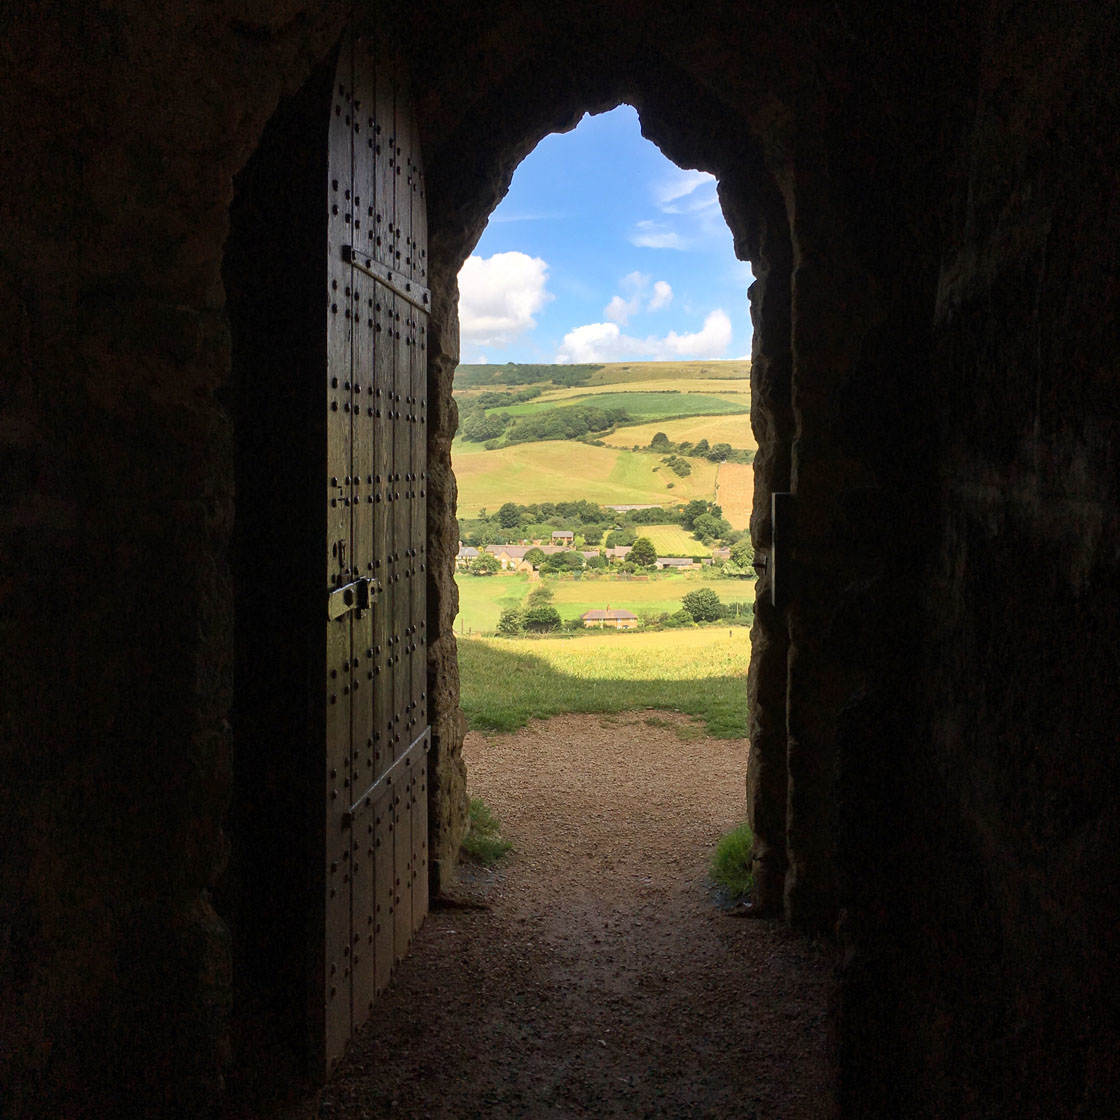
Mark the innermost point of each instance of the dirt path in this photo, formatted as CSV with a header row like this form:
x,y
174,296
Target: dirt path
x,y
602,980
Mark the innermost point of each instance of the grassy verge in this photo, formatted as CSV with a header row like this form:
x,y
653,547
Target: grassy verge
x,y
507,682
483,842
730,867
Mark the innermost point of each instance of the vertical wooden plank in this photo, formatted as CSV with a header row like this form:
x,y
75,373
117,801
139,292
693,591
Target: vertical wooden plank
x,y
419,805
362,518
384,372
385,369
383,903
339,567
416,263
402,520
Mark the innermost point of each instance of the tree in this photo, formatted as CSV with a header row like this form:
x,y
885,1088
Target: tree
x,y
642,552
485,564
707,525
660,442
563,562
703,605
616,538
542,619
511,622
701,448
540,596
719,452
696,508
742,552
509,515
535,557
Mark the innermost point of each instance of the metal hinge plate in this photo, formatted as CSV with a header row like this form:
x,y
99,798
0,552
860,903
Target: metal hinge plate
x,y
356,596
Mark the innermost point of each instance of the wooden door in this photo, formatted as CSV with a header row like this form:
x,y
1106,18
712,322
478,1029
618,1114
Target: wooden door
x,y
374,780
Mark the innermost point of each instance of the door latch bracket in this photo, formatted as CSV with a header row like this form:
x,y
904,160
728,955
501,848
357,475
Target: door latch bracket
x,y
356,596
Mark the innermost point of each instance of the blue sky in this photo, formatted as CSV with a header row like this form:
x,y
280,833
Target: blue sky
x,y
603,250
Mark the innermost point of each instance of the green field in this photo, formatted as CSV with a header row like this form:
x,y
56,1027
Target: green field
x,y
735,430
507,682
734,390
559,470
672,540
616,373
640,406
483,598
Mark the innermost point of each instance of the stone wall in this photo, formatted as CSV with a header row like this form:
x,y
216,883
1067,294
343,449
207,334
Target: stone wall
x,y
930,203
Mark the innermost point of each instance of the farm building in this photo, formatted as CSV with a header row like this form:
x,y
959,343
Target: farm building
x,y
676,563
614,617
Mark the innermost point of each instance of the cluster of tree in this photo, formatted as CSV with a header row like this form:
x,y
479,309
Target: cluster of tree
x,y
705,521
562,422
513,521
593,524
682,468
716,453
513,373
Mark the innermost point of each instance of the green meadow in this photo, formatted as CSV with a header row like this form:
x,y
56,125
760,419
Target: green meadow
x,y
559,470
639,406
703,672
483,598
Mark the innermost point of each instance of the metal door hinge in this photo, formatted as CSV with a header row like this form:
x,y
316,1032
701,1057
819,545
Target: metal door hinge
x,y
355,596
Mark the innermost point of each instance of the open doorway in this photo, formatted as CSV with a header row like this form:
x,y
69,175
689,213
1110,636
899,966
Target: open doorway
x,y
592,969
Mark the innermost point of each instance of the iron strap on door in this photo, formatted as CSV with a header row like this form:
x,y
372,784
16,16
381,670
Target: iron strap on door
x,y
375,818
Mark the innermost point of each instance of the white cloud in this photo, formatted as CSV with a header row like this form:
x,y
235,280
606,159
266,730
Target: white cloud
x,y
620,309
711,341
656,235
682,193
662,296
499,295
605,342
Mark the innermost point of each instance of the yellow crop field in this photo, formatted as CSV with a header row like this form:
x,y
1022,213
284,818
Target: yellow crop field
x,y
735,492
735,430
558,470
738,390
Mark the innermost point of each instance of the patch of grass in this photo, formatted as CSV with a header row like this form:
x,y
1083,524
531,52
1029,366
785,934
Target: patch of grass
x,y
483,843
673,540
730,866
506,682
559,471
641,405
483,598
614,373
735,430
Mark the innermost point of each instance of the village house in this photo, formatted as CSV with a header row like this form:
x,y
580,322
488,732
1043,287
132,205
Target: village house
x,y
617,554
563,536
465,555
614,617
676,563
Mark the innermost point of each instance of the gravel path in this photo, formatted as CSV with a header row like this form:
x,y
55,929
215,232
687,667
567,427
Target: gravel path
x,y
600,979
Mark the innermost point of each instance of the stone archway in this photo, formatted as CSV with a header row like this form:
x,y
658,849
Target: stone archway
x,y
939,695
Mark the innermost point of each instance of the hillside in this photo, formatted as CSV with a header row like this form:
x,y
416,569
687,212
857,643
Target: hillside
x,y
539,433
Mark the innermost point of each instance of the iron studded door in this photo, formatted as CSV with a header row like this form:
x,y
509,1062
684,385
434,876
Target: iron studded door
x,y
375,873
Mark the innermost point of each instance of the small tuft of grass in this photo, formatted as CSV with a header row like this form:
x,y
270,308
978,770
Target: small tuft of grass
x,y
483,842
730,866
